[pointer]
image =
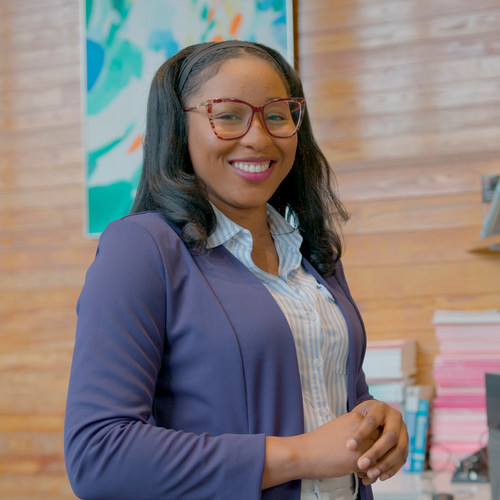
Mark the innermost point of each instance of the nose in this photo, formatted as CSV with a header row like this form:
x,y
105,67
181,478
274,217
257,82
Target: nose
x,y
257,136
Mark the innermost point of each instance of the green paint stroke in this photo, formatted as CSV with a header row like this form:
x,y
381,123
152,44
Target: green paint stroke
x,y
122,62
93,156
88,11
121,10
107,203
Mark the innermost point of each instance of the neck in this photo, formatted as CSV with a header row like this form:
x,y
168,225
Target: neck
x,y
254,220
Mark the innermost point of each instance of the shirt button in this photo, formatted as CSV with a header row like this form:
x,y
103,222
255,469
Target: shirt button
x,y
312,315
317,362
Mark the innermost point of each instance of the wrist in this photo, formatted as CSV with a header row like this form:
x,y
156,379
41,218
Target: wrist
x,y
282,462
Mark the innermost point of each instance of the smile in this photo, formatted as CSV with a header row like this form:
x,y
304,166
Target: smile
x,y
252,167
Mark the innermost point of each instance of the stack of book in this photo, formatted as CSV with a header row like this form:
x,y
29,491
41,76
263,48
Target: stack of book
x,y
390,367
469,347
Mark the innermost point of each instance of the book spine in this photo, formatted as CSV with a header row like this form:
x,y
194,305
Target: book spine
x,y
411,409
419,451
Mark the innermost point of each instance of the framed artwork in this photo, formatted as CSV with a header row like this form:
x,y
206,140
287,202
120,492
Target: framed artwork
x,y
125,43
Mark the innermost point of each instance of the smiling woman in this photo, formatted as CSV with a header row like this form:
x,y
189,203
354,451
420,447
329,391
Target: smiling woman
x,y
229,347
239,176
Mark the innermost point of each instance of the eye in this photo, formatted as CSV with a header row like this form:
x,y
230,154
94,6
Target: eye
x,y
277,112
227,116
276,117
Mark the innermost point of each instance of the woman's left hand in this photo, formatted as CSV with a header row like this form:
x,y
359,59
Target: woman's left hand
x,y
388,454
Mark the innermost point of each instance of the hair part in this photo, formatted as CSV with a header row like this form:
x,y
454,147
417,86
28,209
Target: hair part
x,y
169,185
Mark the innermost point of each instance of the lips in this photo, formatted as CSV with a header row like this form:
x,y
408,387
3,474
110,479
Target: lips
x,y
252,166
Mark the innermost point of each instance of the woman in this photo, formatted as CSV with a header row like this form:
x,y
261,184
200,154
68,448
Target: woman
x,y
218,350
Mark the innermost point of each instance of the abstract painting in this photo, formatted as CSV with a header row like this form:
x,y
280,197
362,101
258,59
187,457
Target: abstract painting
x,y
125,43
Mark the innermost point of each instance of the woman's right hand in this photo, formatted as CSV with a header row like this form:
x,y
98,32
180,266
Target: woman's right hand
x,y
316,454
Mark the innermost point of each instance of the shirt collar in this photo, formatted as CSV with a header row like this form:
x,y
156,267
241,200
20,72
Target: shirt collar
x,y
287,239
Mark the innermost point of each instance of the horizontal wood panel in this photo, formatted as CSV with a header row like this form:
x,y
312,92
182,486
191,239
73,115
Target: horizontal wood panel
x,y
394,317
41,279
415,182
57,155
441,143
421,121
34,79
36,487
36,445
401,281
20,60
48,15
436,97
43,138
38,392
34,120
62,259
344,81
20,302
418,247
481,45
326,15
59,197
41,34
31,423
388,33
425,213
42,177
27,236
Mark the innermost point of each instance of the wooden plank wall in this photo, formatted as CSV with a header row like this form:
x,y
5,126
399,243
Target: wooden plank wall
x,y
43,255
405,98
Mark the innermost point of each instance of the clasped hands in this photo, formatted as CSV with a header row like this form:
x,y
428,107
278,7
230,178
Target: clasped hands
x,y
382,440
370,441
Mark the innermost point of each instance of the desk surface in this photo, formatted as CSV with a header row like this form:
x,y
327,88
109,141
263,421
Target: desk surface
x,y
414,486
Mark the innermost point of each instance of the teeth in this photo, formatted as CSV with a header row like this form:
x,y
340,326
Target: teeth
x,y
252,167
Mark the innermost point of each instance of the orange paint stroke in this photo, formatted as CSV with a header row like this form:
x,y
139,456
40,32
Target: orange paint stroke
x,y
136,144
217,38
235,24
211,14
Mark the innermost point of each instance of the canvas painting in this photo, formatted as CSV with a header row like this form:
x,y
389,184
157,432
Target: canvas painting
x,y
125,43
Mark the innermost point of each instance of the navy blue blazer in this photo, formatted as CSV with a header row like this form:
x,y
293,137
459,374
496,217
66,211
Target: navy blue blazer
x,y
182,364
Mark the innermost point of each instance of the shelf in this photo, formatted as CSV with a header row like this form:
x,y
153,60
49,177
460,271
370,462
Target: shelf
x,y
489,245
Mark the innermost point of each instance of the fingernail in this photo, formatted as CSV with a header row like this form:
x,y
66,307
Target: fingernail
x,y
363,463
374,473
384,477
351,444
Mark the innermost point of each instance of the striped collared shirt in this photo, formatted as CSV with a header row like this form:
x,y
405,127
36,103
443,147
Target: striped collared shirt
x,y
317,324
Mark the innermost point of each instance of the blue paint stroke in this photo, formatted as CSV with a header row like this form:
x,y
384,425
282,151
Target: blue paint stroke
x,y
163,40
95,62
280,30
276,5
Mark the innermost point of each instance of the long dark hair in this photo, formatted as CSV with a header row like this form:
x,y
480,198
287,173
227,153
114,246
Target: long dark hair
x,y
168,184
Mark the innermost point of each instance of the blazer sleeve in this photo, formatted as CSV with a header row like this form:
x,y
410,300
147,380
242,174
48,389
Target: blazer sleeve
x,y
113,450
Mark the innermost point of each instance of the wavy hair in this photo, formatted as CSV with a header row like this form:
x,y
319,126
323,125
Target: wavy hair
x,y
306,197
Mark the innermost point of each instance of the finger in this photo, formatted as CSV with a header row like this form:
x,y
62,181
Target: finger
x,y
374,418
387,441
369,428
390,463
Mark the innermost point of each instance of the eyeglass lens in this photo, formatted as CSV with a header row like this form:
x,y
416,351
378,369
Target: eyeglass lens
x,y
232,119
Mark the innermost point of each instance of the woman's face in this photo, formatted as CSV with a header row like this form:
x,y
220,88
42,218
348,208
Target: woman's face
x,y
222,166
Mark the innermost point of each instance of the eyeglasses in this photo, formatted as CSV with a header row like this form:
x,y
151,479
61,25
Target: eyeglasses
x,y
231,118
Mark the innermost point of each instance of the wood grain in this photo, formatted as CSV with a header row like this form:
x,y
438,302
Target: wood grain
x,y
404,97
